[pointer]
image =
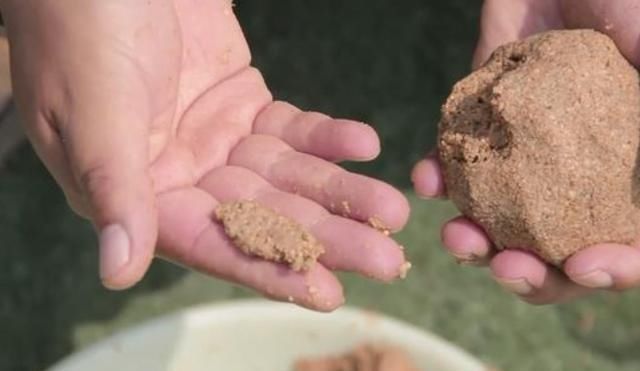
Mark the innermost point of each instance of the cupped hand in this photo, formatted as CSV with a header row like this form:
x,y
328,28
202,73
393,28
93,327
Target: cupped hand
x,y
607,266
148,115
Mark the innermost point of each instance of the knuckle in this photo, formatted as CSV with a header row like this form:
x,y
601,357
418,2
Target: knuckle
x,y
78,207
96,180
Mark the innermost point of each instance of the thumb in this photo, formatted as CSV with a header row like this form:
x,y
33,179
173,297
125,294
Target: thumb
x,y
504,21
107,149
618,19
86,97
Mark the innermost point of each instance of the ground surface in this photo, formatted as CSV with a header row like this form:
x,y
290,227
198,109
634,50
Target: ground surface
x,y
386,64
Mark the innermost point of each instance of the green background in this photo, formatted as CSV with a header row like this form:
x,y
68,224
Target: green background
x,y
389,63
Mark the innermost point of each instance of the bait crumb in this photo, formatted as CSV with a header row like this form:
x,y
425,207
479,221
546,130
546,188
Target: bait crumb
x,y
539,146
366,357
471,260
260,231
312,290
346,209
404,269
377,224
225,57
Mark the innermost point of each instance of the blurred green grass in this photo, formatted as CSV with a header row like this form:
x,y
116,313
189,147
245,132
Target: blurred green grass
x,y
384,63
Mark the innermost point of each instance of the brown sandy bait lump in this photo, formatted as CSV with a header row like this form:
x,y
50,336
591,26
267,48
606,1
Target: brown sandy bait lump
x,y
366,357
260,231
540,145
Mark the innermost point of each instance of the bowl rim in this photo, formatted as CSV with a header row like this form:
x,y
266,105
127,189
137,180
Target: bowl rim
x,y
196,315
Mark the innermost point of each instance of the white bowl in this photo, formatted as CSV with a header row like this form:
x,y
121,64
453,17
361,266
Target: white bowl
x,y
256,335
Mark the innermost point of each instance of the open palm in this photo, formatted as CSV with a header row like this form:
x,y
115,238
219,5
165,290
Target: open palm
x,y
152,115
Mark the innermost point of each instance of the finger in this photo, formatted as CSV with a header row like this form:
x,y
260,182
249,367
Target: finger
x,y
618,19
189,236
106,146
318,134
427,178
605,266
337,190
350,246
48,146
524,274
503,21
466,241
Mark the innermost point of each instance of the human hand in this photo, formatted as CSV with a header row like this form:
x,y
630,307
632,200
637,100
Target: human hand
x,y
148,114
606,266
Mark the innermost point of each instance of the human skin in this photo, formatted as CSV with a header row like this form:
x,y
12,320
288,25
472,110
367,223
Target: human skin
x,y
148,114
605,266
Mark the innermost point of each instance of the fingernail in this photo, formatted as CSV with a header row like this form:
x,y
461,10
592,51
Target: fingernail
x,y
430,182
115,250
518,286
435,197
430,189
471,259
596,279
